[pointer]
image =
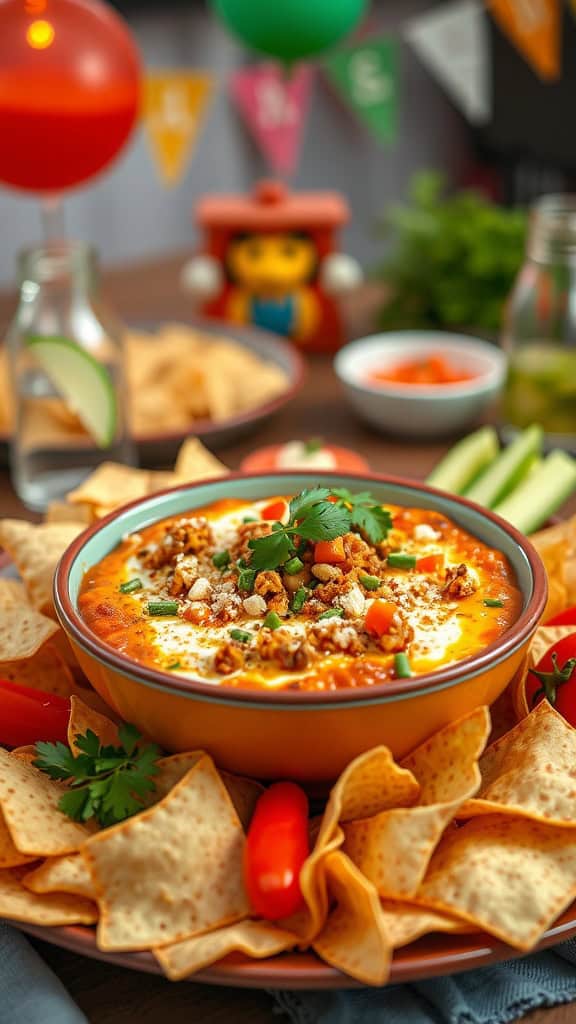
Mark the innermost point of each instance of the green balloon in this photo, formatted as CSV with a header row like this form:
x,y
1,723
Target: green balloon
x,y
290,29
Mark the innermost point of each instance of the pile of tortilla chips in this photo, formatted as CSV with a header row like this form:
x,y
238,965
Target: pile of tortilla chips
x,y
457,837
175,377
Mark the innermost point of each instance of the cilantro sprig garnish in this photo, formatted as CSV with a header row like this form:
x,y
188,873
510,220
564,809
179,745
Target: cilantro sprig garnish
x,y
369,518
311,517
106,782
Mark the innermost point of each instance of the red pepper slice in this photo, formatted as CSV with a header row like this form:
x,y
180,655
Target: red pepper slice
x,y
276,848
275,510
565,618
28,715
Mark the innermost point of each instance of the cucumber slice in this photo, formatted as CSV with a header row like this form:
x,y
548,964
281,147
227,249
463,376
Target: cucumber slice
x,y
83,383
507,471
465,461
541,494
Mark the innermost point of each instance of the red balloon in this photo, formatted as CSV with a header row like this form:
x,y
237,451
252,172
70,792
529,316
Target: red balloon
x,y
69,91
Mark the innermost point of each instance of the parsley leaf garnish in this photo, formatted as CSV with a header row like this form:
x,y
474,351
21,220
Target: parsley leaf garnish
x,y
109,783
369,518
312,517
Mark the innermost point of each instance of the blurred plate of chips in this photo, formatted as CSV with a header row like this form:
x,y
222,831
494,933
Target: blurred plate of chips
x,y
218,382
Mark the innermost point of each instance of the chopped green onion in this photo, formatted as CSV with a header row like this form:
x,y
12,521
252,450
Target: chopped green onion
x,y
313,445
493,602
299,599
221,560
241,635
370,582
130,586
272,621
249,519
399,560
293,565
246,579
162,607
173,664
402,666
332,613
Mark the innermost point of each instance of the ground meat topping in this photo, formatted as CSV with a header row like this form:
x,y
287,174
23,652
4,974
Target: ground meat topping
x,y
459,582
228,658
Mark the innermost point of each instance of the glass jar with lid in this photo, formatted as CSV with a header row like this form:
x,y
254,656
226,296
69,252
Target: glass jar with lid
x,y
67,374
539,331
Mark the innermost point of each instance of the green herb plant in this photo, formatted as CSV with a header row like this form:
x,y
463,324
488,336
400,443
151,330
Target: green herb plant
x,y
108,783
454,258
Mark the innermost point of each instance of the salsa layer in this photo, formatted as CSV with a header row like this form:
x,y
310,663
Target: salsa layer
x,y
320,591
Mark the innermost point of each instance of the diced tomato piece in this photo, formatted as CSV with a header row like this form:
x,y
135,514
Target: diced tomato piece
x,y
430,563
330,551
199,614
275,511
379,617
28,715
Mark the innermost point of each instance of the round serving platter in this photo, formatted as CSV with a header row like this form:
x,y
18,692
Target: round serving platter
x,y
429,957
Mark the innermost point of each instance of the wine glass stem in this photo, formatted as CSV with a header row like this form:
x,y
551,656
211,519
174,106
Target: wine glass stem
x,y
52,211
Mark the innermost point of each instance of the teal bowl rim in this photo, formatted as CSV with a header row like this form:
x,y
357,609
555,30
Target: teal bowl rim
x,y
193,687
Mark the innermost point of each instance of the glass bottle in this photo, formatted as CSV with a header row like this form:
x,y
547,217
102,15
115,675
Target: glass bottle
x,y
539,331
67,373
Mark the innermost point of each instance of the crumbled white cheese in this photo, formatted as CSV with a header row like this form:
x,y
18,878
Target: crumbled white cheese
x,y
425,532
324,572
353,603
201,590
186,570
254,606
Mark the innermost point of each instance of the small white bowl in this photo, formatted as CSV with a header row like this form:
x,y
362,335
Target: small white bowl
x,y
421,410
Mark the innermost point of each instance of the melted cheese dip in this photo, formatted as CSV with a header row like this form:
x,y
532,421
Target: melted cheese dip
x,y
216,626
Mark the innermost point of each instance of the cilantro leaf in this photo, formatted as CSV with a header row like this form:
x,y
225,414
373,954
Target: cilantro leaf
x,y
55,759
108,783
271,551
300,505
324,522
373,522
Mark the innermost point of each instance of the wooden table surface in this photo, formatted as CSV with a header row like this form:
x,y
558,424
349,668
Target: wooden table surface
x,y
109,995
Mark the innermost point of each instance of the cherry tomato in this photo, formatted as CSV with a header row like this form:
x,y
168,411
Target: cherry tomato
x,y
276,848
27,715
565,618
554,677
265,459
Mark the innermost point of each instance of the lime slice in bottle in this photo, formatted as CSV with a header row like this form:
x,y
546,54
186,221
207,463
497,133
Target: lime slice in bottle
x,y
83,383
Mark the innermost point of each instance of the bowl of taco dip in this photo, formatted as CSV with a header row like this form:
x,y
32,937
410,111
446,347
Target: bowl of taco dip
x,y
287,622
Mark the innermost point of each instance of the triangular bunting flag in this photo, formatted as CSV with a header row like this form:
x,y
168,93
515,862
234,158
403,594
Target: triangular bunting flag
x,y
533,26
274,105
173,106
366,76
453,43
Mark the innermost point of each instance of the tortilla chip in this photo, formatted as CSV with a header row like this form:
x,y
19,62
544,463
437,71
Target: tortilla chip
x,y
12,594
393,849
372,783
308,922
195,462
111,484
530,772
404,923
10,856
257,939
29,803
243,792
557,549
36,551
23,631
354,937
19,904
62,874
508,876
46,670
65,512
82,718
173,871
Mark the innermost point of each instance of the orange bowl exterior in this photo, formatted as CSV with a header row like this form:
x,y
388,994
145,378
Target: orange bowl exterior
x,y
310,744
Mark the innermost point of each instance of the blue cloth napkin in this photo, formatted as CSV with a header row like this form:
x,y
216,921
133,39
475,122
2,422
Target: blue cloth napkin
x,y
29,992
490,995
